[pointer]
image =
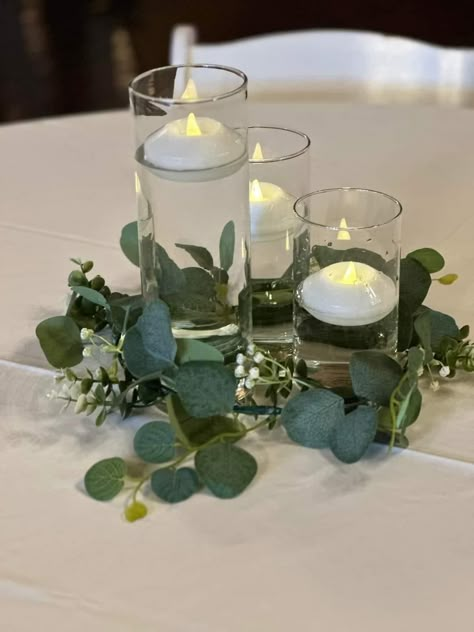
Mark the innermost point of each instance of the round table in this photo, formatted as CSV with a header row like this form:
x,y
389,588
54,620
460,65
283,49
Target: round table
x,y
383,544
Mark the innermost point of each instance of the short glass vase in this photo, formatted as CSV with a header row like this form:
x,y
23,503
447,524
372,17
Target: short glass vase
x,y
346,267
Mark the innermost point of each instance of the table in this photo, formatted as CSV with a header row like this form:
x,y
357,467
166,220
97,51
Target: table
x,y
384,544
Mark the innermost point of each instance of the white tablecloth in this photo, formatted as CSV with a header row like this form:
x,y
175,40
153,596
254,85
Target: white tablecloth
x,y
384,544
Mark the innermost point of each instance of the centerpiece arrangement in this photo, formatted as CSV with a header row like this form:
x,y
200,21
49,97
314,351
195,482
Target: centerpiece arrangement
x,y
183,346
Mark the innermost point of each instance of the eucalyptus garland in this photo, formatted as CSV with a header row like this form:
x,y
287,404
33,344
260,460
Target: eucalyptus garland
x,y
207,400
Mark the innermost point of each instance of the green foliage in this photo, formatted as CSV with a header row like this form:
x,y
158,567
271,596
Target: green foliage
x,y
430,259
227,246
442,325
199,431
135,511
125,310
415,281
374,376
105,479
60,340
226,469
206,388
198,281
190,350
175,485
422,325
171,278
353,434
201,255
91,295
129,243
309,418
155,442
149,346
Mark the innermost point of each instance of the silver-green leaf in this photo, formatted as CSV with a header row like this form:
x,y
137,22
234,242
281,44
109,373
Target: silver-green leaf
x,y
155,442
174,486
105,479
225,469
353,434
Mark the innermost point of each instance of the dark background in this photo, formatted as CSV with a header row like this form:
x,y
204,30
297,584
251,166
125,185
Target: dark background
x,y
64,56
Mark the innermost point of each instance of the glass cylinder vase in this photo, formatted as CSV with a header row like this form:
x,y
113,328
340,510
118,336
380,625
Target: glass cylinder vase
x,y
279,174
346,265
192,194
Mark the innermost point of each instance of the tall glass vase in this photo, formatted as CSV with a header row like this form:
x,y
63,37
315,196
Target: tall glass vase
x,y
192,195
279,174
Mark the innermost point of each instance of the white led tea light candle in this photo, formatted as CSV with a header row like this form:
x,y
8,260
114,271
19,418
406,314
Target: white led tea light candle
x,y
186,146
271,208
348,293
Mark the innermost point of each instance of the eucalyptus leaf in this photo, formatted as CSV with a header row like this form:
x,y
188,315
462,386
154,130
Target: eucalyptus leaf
x,y
91,295
352,436
310,417
442,325
226,469
405,326
429,258
60,340
149,346
415,361
448,279
410,409
206,388
174,486
124,307
190,350
105,479
201,255
198,281
422,327
201,430
155,442
415,281
227,246
374,376
129,243
171,278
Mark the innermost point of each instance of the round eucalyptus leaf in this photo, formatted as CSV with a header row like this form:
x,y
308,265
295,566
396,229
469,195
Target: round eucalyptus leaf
x,y
104,480
129,243
374,376
154,442
225,469
60,340
353,434
309,418
174,486
206,388
91,295
415,281
429,258
149,345
190,350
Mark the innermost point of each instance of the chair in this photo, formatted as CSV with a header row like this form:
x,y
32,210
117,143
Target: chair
x,y
338,65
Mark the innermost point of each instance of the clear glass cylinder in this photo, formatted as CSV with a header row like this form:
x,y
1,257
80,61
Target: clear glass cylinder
x,y
346,266
279,175
192,195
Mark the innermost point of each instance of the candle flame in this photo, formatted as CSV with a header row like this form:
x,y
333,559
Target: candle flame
x,y
350,275
256,194
192,127
343,234
257,152
190,91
